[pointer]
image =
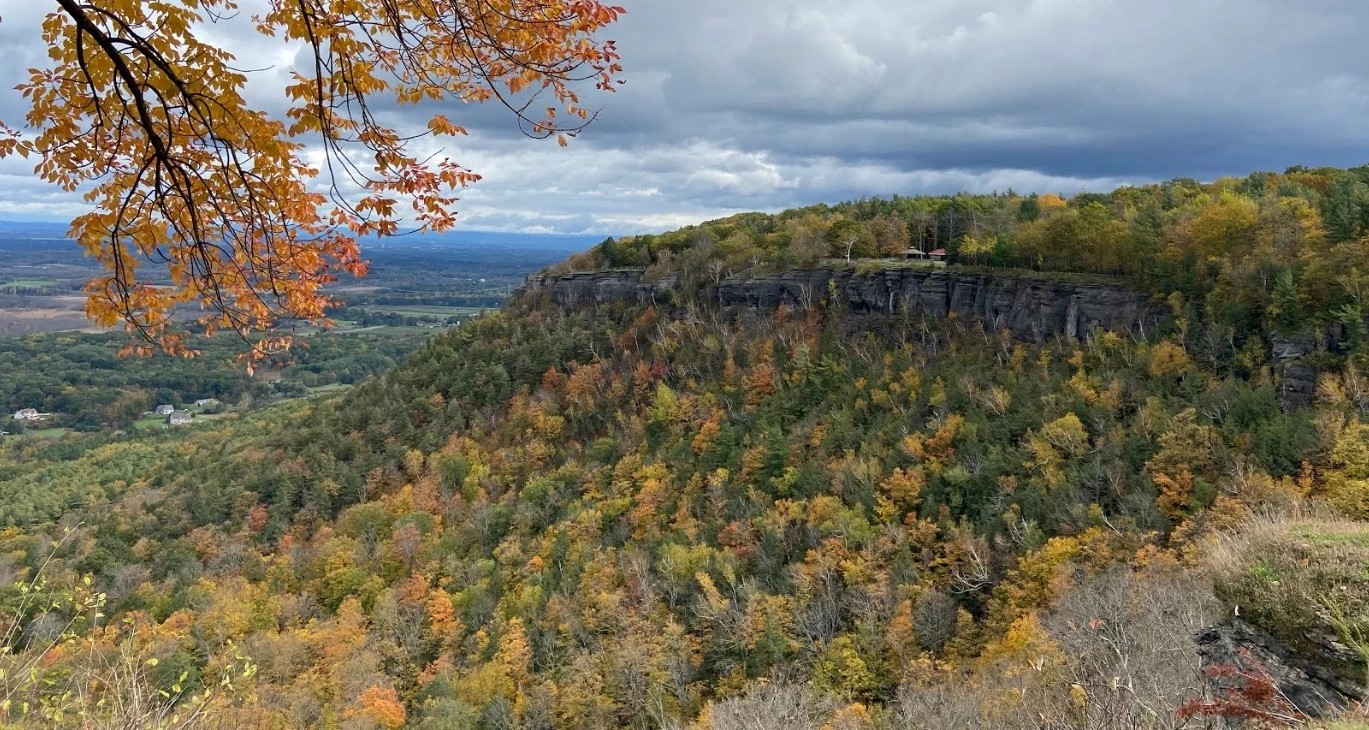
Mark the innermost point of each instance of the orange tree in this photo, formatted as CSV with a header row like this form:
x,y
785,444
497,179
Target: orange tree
x,y
248,214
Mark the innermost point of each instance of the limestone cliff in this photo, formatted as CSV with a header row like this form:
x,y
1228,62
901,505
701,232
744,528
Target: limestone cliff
x,y
1295,358
598,287
1030,308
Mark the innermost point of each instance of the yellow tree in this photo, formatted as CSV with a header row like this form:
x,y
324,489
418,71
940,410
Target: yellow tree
x,y
216,201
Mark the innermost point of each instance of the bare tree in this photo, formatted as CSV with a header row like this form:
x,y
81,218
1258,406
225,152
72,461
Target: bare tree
x,y
1128,660
772,707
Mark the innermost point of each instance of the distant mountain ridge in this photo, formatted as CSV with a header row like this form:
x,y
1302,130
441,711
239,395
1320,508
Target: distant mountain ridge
x,y
50,229
502,239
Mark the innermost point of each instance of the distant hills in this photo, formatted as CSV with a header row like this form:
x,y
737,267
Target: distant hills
x,y
462,239
37,229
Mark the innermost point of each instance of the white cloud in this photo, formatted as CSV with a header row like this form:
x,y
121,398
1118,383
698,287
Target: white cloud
x,y
763,104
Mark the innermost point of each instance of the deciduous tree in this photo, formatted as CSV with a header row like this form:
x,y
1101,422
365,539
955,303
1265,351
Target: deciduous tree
x,y
201,199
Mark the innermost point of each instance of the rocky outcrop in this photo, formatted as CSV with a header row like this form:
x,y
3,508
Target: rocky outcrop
x,y
1030,308
598,287
1305,681
1295,361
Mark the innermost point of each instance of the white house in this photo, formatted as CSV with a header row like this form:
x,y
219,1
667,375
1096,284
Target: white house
x,y
206,402
165,410
29,414
180,418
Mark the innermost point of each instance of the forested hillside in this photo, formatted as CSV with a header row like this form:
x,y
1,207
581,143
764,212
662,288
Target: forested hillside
x,y
1268,251
689,517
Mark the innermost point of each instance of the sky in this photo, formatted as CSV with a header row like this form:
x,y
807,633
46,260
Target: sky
x,y
735,105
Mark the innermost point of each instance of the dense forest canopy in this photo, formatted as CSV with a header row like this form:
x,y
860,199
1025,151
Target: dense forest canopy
x,y
681,517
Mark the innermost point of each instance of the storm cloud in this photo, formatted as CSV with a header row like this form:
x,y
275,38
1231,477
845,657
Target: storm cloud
x,y
737,105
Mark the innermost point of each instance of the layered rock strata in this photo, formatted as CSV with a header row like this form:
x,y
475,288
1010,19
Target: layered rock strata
x,y
1032,309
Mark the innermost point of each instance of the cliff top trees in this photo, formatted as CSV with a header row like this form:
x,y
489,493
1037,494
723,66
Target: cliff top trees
x,y
188,181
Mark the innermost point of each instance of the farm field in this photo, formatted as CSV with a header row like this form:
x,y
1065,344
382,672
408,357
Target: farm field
x,y
21,315
330,389
10,287
149,423
426,310
386,330
43,273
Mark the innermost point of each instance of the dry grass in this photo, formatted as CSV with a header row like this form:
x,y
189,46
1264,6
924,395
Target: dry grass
x,y
1302,576
1358,722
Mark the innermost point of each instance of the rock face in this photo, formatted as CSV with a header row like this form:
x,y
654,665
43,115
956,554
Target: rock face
x,y
1294,358
598,287
1312,688
1031,309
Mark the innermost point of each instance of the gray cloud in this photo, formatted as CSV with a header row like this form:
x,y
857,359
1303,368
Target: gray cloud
x,y
763,104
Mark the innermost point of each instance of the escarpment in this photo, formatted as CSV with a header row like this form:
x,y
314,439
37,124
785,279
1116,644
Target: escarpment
x,y
1032,309
598,287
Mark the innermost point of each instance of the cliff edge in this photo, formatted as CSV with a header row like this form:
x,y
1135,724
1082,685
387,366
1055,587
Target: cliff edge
x,y
1031,308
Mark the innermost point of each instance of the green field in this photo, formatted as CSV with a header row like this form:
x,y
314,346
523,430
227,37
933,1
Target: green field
x,y
17,284
329,389
393,331
425,310
345,327
149,423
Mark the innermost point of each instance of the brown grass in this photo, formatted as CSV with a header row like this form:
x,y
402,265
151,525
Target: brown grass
x,y
45,314
1302,576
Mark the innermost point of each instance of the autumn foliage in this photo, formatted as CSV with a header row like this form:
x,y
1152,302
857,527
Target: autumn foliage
x,y
626,515
202,201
